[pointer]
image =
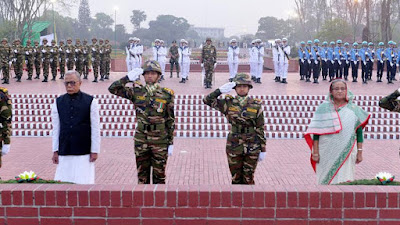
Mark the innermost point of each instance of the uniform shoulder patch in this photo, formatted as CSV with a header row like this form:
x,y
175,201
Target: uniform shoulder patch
x,y
228,96
257,101
169,91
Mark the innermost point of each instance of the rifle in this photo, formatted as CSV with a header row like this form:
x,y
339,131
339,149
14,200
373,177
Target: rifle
x,y
285,53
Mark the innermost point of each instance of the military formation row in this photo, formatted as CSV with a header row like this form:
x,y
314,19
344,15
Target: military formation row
x,y
43,57
336,58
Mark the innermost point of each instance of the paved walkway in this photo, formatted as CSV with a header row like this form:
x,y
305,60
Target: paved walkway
x,y
201,161
198,161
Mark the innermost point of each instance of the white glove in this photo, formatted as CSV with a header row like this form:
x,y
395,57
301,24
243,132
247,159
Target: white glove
x,y
302,60
316,62
101,51
14,60
170,150
226,88
26,62
43,51
215,65
60,49
15,50
92,59
26,53
135,73
202,65
397,65
309,61
93,49
51,60
261,156
398,90
51,50
9,63
76,50
5,149
381,61
67,51
391,64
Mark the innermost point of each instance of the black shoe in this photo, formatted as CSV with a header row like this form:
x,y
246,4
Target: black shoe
x,y
54,79
45,80
284,81
37,77
301,77
177,75
171,75
101,79
85,77
107,77
253,78
308,80
95,80
354,80
182,81
6,81
29,78
315,81
258,81
230,79
276,79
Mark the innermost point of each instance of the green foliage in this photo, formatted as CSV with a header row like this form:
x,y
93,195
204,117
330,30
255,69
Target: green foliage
x,y
335,29
137,18
368,182
102,21
270,28
7,29
39,181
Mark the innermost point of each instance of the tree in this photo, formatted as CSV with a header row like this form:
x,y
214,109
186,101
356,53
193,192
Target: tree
x,y
334,30
84,17
168,27
270,27
137,18
26,12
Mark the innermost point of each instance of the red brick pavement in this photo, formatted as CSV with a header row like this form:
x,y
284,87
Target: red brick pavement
x,y
197,161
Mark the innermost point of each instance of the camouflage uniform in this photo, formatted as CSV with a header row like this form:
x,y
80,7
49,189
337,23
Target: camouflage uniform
x,y
29,59
208,58
70,54
390,102
107,59
18,52
246,139
155,124
174,59
54,59
95,58
5,119
45,50
102,60
61,59
5,51
86,59
78,56
38,59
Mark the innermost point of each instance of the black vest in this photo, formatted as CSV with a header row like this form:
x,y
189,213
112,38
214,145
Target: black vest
x,y
75,129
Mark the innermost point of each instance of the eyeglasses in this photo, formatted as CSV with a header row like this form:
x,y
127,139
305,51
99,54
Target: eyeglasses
x,y
72,83
339,89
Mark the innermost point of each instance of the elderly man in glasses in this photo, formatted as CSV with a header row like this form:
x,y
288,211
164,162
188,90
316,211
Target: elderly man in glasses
x,y
76,133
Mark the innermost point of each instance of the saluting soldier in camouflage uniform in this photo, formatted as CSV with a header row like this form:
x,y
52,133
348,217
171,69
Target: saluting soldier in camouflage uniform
x,y
86,59
95,58
61,59
5,61
78,56
174,58
155,120
5,122
38,58
246,141
19,53
107,58
102,60
29,59
390,102
54,59
45,49
70,54
208,61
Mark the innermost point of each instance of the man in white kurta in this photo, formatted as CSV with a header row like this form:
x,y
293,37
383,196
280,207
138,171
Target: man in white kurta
x,y
233,59
76,133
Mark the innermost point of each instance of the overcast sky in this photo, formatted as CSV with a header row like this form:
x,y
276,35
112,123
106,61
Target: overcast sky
x,y
236,17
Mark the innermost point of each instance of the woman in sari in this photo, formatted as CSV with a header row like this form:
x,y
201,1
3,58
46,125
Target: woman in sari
x,y
332,135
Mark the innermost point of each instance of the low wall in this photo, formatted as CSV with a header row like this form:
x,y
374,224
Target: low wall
x,y
162,204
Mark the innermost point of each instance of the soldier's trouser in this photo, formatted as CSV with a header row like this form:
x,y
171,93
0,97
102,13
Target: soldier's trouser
x,y
346,69
388,71
324,65
185,69
309,68
393,71
85,68
46,66
233,69
370,68
108,63
260,68
277,69
6,71
70,64
339,68
37,67
102,68
301,69
18,68
284,69
331,67
62,67
54,68
151,155
364,71
380,66
354,69
79,65
176,63
209,70
316,69
95,65
29,67
253,69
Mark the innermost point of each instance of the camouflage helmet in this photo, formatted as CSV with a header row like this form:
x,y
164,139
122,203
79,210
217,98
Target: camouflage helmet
x,y
29,40
208,39
243,78
53,41
151,65
44,40
94,38
69,39
4,40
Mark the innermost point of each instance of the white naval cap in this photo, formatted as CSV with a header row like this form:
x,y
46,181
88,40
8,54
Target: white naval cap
x,y
278,40
284,39
161,41
157,40
258,40
233,40
131,39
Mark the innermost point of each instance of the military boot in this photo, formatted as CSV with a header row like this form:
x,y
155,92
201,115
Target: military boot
x,y
6,81
182,81
177,74
101,78
284,81
45,79
95,80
